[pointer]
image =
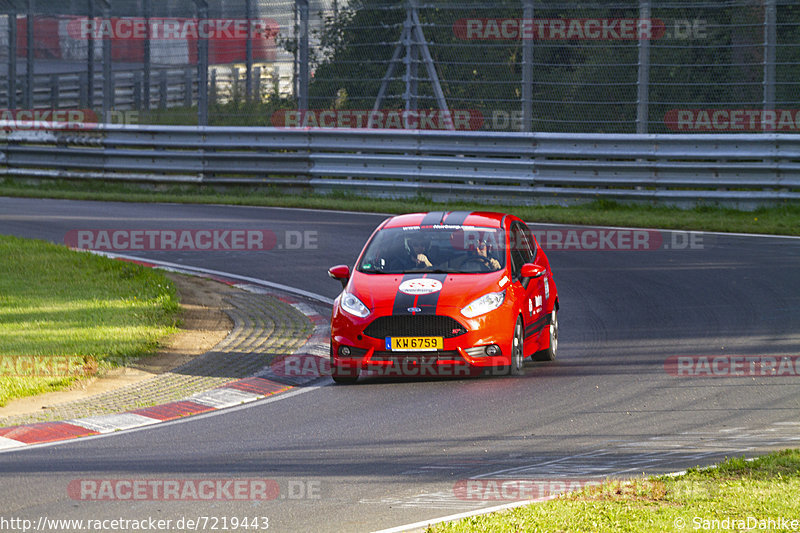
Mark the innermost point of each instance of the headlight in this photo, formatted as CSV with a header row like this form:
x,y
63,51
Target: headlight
x,y
353,305
484,304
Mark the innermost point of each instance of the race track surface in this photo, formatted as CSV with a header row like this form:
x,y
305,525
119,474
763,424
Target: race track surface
x,y
388,452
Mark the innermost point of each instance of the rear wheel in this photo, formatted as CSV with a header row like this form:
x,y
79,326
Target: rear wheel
x,y
517,353
549,354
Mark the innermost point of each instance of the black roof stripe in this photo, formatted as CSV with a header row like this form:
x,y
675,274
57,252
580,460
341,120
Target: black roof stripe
x,y
456,218
432,218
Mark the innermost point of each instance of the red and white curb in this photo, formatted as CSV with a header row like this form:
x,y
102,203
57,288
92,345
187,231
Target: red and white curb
x,y
262,385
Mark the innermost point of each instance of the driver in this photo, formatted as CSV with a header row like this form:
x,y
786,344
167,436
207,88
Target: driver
x,y
482,255
478,255
417,252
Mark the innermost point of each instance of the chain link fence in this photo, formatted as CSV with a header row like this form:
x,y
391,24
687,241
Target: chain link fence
x,y
637,66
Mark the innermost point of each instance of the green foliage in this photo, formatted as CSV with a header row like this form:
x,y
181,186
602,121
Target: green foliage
x,y
60,303
708,56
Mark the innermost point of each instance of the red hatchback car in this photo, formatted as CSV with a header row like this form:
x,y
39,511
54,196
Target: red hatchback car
x,y
444,293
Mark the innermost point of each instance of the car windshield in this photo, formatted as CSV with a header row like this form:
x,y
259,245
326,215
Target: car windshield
x,y
442,249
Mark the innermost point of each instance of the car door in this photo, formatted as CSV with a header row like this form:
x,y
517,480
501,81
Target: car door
x,y
531,291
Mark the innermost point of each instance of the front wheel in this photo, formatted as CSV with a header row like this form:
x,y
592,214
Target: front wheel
x,y
549,354
517,350
344,379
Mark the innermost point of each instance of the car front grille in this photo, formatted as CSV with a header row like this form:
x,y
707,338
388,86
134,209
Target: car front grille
x,y
422,357
415,326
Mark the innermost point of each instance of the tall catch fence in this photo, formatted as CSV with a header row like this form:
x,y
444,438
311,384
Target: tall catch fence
x,y
637,66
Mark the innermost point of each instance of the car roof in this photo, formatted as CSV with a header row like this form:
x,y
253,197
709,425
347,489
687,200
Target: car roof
x,y
455,218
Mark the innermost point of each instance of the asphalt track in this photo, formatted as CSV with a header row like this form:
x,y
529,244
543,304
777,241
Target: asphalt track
x,y
384,453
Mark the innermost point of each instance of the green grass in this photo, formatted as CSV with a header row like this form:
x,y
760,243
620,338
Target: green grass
x,y
74,314
780,220
763,489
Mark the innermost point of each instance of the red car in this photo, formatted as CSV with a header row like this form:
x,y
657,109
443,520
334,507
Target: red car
x,y
444,293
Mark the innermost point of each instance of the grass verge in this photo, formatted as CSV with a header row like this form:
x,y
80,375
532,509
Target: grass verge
x,y
737,495
780,220
67,315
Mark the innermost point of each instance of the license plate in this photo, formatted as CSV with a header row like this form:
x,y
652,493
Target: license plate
x,y
414,343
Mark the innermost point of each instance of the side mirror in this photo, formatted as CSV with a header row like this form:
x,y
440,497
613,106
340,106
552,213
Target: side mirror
x,y
340,272
529,270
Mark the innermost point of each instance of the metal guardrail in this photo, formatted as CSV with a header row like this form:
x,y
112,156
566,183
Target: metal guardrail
x,y
489,167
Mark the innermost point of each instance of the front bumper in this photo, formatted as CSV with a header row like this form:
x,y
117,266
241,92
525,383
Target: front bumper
x,y
353,351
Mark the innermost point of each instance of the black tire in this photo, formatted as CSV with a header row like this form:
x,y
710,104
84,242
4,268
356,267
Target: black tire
x,y
549,354
344,379
517,350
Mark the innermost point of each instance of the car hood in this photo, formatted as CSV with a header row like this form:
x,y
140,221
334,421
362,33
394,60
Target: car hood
x,y
423,293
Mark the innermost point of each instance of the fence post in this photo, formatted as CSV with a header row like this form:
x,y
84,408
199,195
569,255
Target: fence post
x,y
770,43
90,58
527,72
12,58
412,73
146,58
643,81
108,81
249,51
29,43
303,67
202,68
